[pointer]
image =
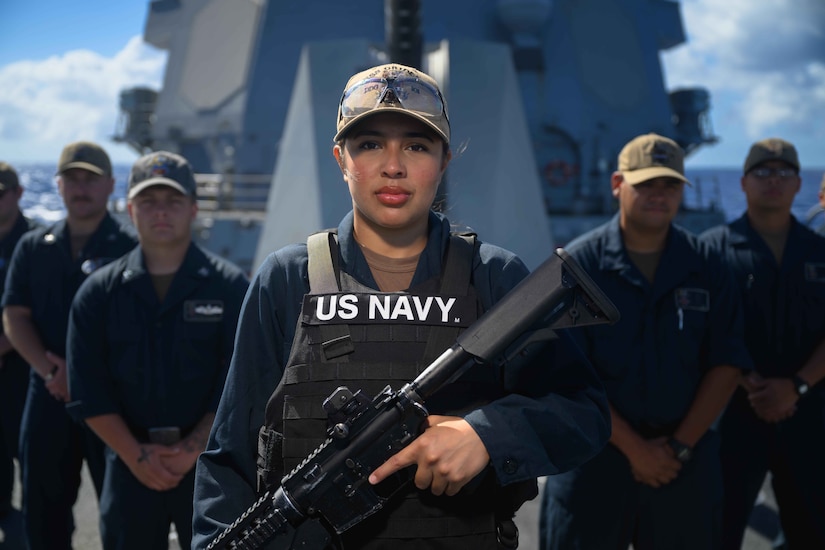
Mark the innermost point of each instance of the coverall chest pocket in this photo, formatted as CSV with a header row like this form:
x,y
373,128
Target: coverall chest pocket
x,y
691,309
201,349
126,351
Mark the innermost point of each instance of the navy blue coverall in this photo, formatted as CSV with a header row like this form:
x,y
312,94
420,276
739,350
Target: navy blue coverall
x,y
156,364
784,322
14,379
44,277
671,332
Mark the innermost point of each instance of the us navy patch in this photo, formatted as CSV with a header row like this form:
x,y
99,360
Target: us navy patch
x,y
695,299
203,311
393,308
815,272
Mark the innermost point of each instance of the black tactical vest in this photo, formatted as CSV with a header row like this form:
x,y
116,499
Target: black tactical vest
x,y
351,335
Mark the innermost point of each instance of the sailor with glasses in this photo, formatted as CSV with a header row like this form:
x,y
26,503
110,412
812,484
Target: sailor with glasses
x,y
489,435
776,419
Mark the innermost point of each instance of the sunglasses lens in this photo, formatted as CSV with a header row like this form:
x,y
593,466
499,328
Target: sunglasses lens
x,y
363,96
418,96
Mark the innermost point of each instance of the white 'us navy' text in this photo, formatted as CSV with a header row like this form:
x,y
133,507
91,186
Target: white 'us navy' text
x,y
412,308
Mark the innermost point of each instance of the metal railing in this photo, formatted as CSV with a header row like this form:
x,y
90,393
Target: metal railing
x,y
218,192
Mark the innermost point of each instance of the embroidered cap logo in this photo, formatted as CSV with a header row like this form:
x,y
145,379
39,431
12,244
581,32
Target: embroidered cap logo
x,y
160,166
660,156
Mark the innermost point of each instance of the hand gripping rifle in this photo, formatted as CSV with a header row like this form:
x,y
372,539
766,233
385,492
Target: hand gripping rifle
x,y
331,483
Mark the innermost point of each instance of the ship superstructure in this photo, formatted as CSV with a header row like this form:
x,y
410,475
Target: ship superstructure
x,y
542,96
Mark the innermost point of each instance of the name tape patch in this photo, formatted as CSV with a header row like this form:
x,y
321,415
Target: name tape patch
x,y
695,299
393,308
203,311
815,272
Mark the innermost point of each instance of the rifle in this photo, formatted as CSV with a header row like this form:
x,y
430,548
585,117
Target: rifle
x,y
331,483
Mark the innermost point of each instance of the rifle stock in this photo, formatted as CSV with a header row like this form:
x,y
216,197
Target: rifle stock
x,y
331,483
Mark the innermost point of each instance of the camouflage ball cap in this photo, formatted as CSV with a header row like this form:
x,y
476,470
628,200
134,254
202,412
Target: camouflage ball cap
x,y
162,168
651,156
440,122
86,156
8,177
771,149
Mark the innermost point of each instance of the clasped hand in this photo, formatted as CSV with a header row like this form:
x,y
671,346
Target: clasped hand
x,y
654,463
448,454
58,386
161,467
772,399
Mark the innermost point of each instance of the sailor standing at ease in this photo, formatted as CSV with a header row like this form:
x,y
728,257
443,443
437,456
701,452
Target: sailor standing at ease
x,y
669,367
149,342
776,419
14,371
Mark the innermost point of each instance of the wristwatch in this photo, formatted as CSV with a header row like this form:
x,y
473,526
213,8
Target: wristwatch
x,y
801,386
682,451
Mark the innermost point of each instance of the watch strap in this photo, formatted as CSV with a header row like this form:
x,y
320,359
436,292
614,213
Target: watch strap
x,y
682,451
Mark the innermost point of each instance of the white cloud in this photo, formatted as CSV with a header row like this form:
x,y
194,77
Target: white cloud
x,y
72,96
763,62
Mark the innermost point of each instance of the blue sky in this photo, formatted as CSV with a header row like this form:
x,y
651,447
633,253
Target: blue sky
x,y
63,64
38,29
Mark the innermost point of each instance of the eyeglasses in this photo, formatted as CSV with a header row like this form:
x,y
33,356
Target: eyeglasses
x,y
765,173
412,93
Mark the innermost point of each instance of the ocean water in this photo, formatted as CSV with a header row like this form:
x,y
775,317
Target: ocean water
x,y
721,187
41,200
711,186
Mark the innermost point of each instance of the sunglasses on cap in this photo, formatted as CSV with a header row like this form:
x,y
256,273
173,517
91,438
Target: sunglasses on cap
x,y
412,93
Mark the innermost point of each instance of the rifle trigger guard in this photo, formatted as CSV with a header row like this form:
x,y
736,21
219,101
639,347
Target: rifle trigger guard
x,y
420,409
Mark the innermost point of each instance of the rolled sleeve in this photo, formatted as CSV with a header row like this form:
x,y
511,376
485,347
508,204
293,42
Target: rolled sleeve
x,y
727,328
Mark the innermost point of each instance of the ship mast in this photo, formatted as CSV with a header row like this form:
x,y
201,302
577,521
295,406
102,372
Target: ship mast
x,y
402,26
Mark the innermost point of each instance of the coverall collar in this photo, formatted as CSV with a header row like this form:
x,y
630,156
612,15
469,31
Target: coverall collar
x,y
193,271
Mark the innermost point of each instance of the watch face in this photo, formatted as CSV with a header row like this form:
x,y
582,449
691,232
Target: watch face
x,y
801,385
681,451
